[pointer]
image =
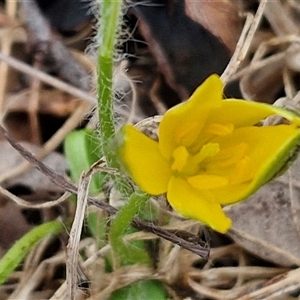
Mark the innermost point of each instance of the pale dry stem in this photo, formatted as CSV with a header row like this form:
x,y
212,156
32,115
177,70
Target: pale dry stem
x,y
6,46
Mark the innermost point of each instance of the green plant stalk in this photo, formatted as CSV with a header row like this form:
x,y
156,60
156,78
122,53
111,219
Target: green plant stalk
x,y
120,223
15,255
110,13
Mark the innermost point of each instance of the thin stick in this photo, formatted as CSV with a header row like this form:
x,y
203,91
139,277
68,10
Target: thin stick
x,y
70,89
25,68
6,44
53,143
240,54
28,204
33,106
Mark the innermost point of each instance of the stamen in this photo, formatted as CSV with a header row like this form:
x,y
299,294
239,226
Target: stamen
x,y
180,156
243,171
228,156
219,129
207,151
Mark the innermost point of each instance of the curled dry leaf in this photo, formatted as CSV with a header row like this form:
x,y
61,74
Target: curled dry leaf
x,y
268,223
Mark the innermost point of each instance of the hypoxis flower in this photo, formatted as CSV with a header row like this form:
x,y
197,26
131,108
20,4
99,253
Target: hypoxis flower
x,y
211,152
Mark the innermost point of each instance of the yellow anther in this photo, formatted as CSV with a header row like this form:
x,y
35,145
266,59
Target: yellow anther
x,y
180,156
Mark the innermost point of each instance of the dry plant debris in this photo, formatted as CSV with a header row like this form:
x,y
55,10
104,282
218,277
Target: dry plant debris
x,y
46,90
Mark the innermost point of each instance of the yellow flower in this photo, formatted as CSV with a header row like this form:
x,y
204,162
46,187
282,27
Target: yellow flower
x,y
211,152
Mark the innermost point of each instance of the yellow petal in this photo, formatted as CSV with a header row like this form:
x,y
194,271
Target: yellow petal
x,y
182,124
143,161
207,181
242,113
195,204
269,149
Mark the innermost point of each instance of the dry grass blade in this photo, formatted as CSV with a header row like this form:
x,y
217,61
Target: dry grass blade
x,y
75,233
25,203
280,286
244,42
34,271
6,45
71,123
25,68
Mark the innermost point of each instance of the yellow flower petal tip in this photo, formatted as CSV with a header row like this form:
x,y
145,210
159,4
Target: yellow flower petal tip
x,y
221,225
210,153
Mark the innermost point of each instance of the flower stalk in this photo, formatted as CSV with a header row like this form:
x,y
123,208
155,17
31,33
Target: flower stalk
x,y
126,252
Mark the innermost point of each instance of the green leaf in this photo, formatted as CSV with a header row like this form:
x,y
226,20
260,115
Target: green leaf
x,y
15,255
82,149
146,289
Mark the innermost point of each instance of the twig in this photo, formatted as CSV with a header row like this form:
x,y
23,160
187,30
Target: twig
x,y
70,89
25,68
241,52
6,44
25,203
33,106
54,141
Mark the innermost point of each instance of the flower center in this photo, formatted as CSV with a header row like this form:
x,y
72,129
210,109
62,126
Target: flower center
x,y
213,167
188,164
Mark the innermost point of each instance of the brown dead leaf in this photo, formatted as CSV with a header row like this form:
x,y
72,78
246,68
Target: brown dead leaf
x,y
32,186
186,52
220,17
33,179
268,223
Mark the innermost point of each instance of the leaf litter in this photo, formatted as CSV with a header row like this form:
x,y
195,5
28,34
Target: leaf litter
x,y
42,102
